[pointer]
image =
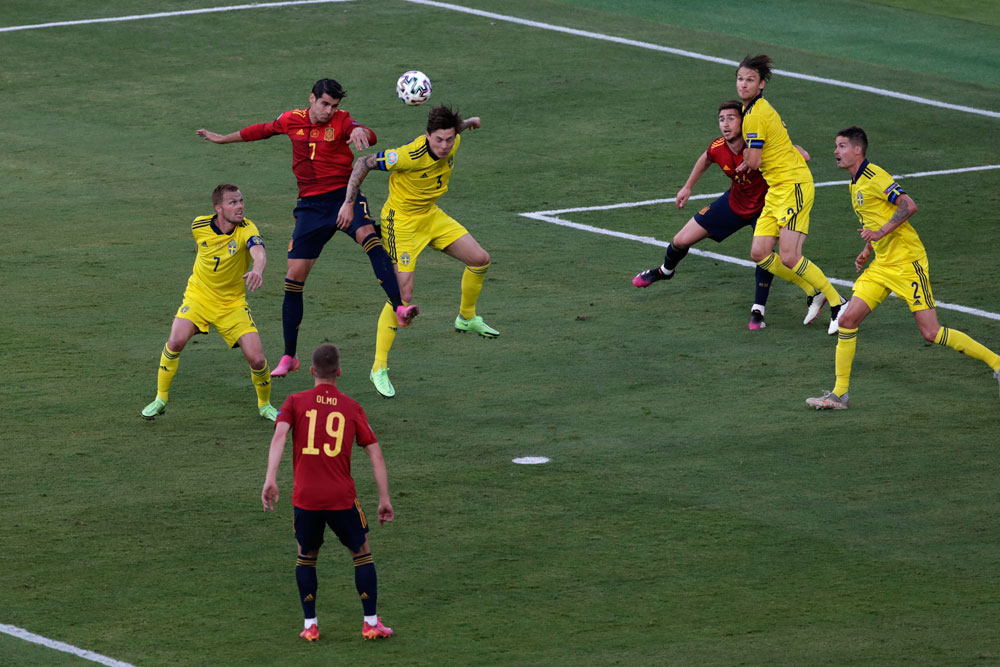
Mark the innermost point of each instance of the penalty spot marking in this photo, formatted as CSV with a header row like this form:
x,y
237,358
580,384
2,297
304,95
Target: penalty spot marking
x,y
15,631
531,460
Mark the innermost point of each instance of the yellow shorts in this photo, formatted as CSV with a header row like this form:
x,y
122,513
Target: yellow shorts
x,y
230,321
405,235
910,282
786,205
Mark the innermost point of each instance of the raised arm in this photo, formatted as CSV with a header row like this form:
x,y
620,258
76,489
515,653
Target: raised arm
x,y
701,165
362,166
470,124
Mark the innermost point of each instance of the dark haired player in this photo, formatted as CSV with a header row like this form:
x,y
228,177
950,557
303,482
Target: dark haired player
x,y
325,423
737,208
412,220
784,219
900,267
321,161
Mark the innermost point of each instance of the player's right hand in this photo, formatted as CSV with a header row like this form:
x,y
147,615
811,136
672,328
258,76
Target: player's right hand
x,y
345,217
269,495
385,512
682,196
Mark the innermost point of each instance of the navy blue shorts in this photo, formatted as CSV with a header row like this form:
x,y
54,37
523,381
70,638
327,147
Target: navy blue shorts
x,y
719,220
316,222
350,526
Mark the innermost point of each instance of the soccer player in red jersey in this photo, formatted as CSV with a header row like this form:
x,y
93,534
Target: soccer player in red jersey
x,y
321,137
325,424
737,208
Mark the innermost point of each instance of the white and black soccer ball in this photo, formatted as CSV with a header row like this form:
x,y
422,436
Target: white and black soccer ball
x,y
413,87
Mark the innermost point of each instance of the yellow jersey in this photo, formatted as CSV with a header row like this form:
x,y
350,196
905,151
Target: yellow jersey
x,y
417,177
780,162
873,196
222,260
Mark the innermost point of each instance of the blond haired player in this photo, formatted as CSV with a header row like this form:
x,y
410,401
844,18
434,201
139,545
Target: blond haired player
x,y
226,243
900,266
790,190
412,221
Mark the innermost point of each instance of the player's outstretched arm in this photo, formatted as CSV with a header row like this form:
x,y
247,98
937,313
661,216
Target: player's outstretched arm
x,y
361,168
255,276
269,494
385,511
362,138
470,124
215,138
701,165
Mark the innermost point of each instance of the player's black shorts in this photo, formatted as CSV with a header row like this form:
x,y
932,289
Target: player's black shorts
x,y
316,222
719,220
350,526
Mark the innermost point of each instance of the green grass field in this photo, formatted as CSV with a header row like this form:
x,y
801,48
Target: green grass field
x,y
694,511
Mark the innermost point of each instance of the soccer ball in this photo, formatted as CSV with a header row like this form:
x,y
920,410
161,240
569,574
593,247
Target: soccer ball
x,y
413,88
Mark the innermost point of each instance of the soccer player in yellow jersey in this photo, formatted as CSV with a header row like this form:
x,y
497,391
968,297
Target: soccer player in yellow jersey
x,y
412,220
785,218
900,266
226,243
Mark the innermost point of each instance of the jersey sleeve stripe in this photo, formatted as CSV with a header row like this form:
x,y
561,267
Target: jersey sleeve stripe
x,y
756,143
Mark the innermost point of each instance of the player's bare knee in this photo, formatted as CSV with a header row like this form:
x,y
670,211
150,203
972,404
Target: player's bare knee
x,y
481,258
930,333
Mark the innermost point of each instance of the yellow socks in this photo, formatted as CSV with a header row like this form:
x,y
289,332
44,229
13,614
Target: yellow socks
x,y
815,277
168,369
772,263
957,340
385,334
847,342
262,383
472,285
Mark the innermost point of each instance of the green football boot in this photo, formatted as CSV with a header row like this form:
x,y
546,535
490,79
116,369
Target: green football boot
x,y
477,325
380,379
157,407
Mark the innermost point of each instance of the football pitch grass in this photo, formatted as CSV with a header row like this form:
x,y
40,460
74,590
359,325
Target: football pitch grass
x,y
693,512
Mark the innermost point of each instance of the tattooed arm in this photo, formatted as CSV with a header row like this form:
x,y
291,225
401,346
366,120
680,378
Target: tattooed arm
x,y
361,168
905,207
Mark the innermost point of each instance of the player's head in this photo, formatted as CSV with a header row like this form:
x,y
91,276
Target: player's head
x,y
730,119
227,200
752,75
326,362
324,100
850,147
443,125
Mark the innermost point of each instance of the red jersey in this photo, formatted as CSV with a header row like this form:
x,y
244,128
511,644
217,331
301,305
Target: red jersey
x,y
321,158
325,424
746,197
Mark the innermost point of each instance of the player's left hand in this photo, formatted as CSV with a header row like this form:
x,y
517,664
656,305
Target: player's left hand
x,y
359,137
269,495
859,261
253,280
870,235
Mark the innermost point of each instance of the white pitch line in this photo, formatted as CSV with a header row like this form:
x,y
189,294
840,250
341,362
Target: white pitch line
x,y
15,631
669,200
160,15
551,217
700,56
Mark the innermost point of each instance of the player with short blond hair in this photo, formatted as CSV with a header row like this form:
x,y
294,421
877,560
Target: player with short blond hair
x,y
226,244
